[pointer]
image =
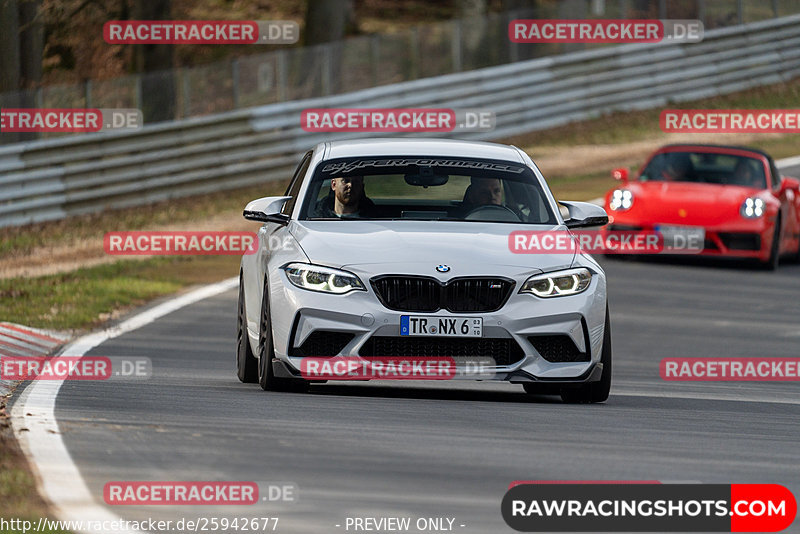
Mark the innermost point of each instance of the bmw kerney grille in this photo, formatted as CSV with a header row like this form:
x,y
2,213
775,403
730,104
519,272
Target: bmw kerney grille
x,y
559,348
505,351
459,295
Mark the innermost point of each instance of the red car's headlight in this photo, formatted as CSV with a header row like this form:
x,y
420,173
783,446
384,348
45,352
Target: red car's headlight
x,y
621,200
752,208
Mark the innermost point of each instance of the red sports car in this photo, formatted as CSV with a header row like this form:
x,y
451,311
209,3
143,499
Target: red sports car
x,y
731,201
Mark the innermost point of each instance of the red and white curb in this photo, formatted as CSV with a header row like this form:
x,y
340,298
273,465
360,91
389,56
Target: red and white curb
x,y
36,429
17,340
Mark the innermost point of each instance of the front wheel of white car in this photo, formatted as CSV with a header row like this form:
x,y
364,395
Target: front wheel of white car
x,y
595,391
266,352
246,363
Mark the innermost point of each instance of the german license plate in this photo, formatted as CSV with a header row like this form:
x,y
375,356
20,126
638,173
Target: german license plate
x,y
432,325
682,238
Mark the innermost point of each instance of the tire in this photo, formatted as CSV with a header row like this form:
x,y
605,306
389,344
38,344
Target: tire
x,y
246,363
266,352
594,391
774,250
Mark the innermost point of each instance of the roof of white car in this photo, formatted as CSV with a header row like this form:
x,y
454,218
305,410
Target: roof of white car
x,y
421,147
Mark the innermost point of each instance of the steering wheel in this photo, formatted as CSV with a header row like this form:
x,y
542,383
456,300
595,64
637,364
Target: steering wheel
x,y
492,212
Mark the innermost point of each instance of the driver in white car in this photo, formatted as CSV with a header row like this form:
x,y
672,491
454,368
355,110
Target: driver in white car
x,y
482,192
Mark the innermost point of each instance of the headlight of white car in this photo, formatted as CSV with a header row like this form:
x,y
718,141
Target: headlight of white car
x,y
621,200
752,208
323,279
558,284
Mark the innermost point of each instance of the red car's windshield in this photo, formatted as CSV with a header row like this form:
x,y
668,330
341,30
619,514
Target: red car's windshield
x,y
705,167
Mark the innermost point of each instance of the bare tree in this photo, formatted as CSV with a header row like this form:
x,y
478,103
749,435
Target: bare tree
x,y
155,63
9,46
327,21
31,39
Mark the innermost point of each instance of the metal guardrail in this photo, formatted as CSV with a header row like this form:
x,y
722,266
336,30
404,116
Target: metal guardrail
x,y
57,178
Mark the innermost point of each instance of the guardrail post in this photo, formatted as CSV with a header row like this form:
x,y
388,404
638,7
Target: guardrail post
x,y
662,9
740,11
775,8
701,11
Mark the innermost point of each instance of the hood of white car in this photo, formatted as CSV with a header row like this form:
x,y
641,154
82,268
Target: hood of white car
x,y
419,247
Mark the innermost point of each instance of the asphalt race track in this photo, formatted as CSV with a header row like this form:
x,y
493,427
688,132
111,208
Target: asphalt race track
x,y
451,449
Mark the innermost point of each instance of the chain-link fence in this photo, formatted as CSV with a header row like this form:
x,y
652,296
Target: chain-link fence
x,y
368,61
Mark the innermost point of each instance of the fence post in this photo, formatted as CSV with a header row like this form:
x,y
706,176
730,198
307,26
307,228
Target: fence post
x,y
87,92
326,69
375,56
455,41
235,79
138,91
413,68
280,77
186,90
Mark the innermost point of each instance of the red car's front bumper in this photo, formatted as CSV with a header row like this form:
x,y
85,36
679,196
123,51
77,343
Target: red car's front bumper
x,y
745,239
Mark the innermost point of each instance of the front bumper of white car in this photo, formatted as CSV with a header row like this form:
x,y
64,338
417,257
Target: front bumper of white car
x,y
529,339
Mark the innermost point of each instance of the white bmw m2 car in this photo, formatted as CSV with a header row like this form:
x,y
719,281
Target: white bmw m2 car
x,y
399,248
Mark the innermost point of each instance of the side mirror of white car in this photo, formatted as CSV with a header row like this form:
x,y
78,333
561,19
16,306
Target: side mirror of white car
x,y
267,209
584,214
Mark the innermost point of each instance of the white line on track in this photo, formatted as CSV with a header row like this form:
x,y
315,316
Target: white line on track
x,y
60,481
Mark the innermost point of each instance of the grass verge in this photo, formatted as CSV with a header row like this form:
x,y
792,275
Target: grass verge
x,y
18,496
90,296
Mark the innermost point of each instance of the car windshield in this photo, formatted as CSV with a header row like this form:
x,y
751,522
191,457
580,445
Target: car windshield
x,y
707,168
426,189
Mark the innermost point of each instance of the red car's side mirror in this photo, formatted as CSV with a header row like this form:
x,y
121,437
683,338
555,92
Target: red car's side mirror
x,y
620,174
790,183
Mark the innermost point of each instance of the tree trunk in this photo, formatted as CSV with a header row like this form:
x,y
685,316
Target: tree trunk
x,y
9,46
9,62
155,64
31,41
326,22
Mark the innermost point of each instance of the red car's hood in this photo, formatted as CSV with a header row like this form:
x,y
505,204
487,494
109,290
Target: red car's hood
x,y
686,203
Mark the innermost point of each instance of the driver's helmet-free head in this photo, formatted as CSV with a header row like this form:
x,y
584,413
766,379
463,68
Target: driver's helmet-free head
x,y
677,166
484,191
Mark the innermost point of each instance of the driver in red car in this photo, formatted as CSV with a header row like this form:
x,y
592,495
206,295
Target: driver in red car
x,y
745,174
679,168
